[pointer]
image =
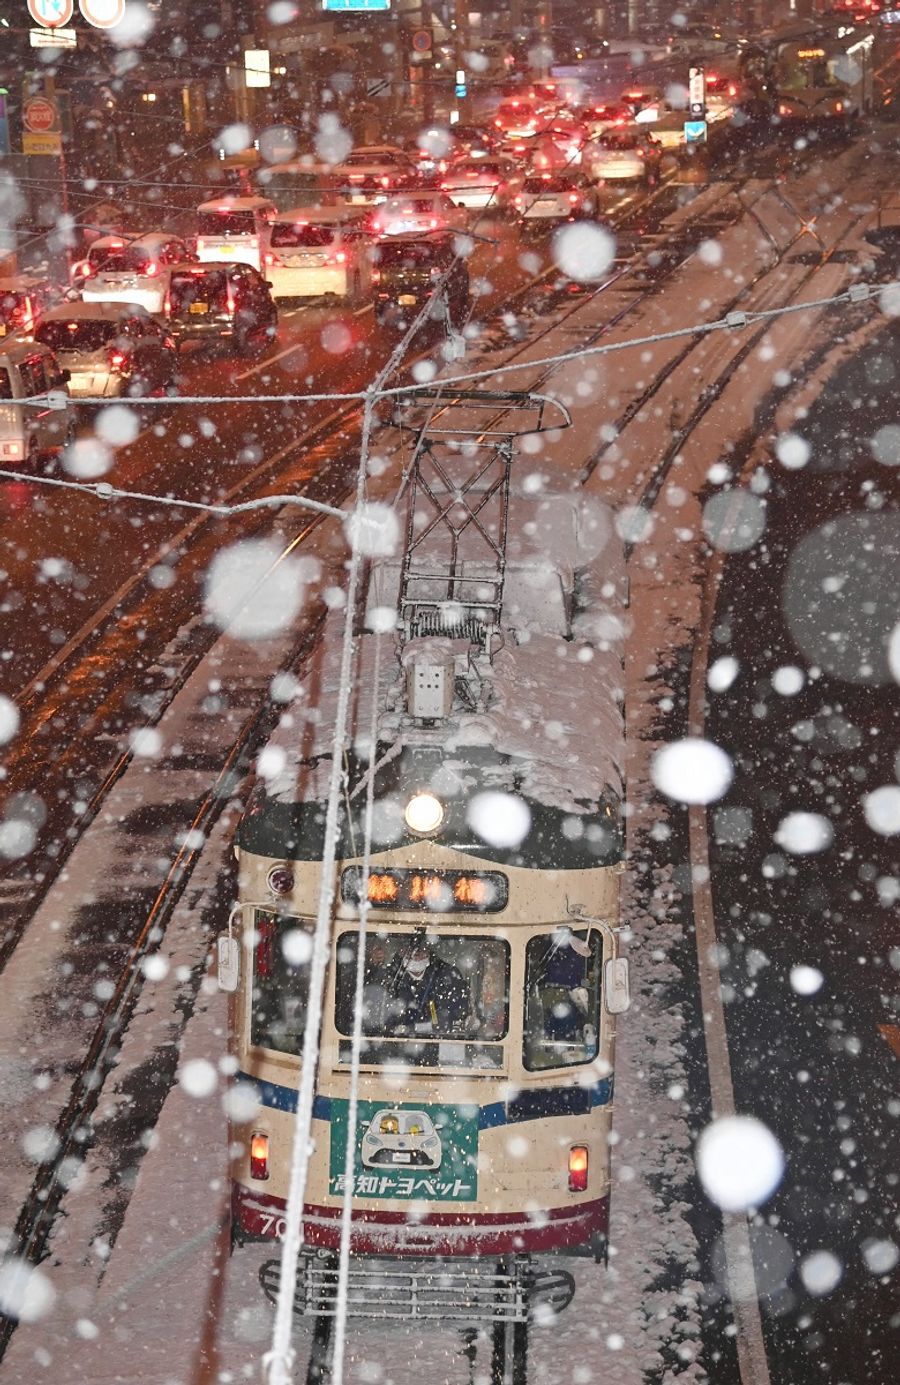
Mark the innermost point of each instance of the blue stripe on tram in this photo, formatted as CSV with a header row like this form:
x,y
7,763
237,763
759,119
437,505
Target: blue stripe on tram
x,y
535,1103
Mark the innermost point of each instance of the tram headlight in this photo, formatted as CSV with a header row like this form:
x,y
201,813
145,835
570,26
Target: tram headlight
x,y
424,813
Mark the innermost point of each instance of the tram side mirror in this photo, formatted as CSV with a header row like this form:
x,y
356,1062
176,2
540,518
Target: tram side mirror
x,y
617,985
228,962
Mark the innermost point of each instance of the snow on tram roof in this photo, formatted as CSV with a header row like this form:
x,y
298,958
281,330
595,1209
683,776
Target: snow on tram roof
x,y
556,709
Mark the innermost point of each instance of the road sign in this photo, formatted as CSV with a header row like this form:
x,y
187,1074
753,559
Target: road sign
x,y
461,85
695,132
356,5
40,115
53,38
52,14
697,92
4,122
103,14
49,143
421,41
378,86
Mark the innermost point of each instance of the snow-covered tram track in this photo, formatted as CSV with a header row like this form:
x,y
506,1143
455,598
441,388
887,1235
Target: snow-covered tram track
x,y
68,1060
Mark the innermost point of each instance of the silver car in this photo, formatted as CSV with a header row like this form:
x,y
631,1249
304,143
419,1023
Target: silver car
x,y
109,349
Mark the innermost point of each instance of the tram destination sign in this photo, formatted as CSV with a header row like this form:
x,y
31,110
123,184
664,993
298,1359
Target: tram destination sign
x,y
443,891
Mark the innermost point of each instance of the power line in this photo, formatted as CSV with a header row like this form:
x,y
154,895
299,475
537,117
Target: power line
x,y
733,321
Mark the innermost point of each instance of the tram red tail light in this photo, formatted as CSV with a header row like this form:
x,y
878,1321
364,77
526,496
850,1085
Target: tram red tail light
x,y
578,1169
265,946
259,1155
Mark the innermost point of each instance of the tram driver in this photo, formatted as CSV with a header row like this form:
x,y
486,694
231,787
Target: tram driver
x,y
427,995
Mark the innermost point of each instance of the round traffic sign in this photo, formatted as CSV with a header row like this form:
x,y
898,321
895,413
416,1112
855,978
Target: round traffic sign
x,y
421,41
103,14
51,14
39,115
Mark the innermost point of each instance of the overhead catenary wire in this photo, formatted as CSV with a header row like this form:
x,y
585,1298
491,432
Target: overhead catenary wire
x,y
733,321
102,490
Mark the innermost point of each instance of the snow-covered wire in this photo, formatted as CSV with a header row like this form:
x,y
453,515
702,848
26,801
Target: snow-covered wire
x,y
278,1361
340,1336
855,294
102,490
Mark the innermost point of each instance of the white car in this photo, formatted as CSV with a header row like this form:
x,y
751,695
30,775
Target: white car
x,y
554,197
373,173
485,183
623,155
312,251
400,1138
232,229
136,270
417,212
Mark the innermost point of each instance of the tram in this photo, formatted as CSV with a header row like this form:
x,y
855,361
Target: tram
x,y
823,80
492,971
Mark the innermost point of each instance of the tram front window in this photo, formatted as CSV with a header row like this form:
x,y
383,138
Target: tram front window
x,y
420,987
281,957
562,999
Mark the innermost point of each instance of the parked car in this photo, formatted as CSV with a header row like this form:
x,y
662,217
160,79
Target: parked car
x,y
484,183
117,270
231,229
555,196
231,303
23,297
109,349
420,211
313,251
623,155
28,431
406,269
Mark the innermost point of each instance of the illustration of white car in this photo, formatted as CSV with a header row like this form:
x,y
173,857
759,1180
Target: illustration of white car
x,y
397,1138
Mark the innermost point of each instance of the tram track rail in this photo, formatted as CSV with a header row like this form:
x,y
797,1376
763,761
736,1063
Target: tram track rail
x,y
72,1129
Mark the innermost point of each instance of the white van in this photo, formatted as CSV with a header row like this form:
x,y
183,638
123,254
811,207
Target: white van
x,y
28,431
232,229
313,251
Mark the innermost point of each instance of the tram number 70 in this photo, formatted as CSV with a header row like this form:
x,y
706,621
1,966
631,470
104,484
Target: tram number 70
x,y
272,1226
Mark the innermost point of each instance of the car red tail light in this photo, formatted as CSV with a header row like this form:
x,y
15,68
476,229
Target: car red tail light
x,y
574,198
578,1169
340,257
167,305
117,360
376,276
259,1155
270,258
151,270
385,182
84,270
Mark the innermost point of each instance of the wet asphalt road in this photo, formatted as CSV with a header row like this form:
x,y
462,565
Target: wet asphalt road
x,y
819,594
